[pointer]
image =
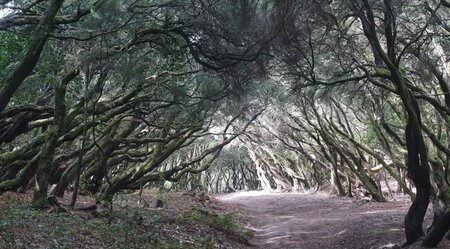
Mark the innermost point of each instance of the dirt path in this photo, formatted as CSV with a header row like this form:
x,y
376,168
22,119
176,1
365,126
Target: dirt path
x,y
319,221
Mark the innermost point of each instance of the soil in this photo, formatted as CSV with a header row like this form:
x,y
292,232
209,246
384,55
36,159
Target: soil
x,y
279,220
319,220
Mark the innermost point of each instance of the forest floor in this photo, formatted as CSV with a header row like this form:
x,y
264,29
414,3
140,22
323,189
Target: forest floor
x,y
310,221
228,221
184,222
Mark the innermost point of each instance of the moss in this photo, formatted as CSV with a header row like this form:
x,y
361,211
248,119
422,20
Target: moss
x,y
383,72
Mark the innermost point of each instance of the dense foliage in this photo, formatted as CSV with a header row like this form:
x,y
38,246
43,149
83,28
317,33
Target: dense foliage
x,y
102,96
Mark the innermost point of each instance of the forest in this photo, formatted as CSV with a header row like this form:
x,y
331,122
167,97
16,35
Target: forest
x,y
112,98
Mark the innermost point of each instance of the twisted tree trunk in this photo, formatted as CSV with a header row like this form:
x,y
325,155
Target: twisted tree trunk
x,y
46,155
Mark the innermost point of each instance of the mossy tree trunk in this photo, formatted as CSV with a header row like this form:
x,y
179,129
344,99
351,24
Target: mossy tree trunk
x,y
23,177
45,163
128,177
441,223
417,159
335,181
439,228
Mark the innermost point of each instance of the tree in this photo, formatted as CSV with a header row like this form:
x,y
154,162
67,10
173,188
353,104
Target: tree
x,y
135,86
337,35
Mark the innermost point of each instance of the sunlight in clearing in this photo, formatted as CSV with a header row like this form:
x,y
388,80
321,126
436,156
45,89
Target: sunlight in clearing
x,y
380,211
336,234
286,232
246,194
4,12
274,239
254,193
390,245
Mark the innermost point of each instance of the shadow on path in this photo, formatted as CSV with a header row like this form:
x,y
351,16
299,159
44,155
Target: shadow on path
x,y
311,221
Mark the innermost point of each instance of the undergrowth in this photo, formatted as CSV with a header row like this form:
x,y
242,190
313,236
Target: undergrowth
x,y
128,227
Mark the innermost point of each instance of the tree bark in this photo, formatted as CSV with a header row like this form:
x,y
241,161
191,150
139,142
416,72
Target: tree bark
x,y
46,155
437,231
417,167
417,161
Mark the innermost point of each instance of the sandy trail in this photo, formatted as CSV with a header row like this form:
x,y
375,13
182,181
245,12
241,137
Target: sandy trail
x,y
312,221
